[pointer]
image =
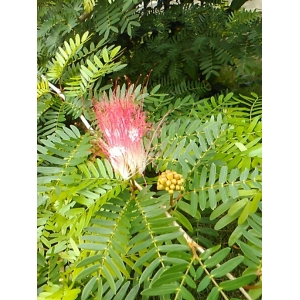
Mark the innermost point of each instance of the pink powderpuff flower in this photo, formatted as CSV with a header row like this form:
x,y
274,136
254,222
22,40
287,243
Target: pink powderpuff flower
x,y
123,126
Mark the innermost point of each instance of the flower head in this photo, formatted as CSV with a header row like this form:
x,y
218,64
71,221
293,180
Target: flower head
x,y
123,125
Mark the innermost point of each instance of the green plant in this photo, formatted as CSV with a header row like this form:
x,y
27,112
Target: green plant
x,y
103,237
190,46
200,49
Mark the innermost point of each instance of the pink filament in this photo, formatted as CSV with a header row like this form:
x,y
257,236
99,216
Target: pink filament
x,y
123,125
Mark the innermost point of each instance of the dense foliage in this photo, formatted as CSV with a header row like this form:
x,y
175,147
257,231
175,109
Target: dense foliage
x,y
102,237
195,49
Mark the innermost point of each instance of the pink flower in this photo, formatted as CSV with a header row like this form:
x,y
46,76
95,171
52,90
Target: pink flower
x,y
123,126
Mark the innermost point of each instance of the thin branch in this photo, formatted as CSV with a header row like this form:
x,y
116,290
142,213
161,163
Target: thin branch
x,y
84,16
62,96
192,243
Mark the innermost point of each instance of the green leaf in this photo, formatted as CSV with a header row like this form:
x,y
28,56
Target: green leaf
x,y
214,294
88,288
98,62
257,219
256,293
74,246
168,236
148,271
141,236
108,168
234,174
94,247
209,251
105,55
102,168
186,294
168,278
204,283
144,258
118,262
63,135
250,252
93,169
89,260
230,285
96,238
199,272
202,199
212,174
240,146
86,72
188,279
49,170
194,203
122,292
86,272
177,152
244,174
236,234
155,89
183,220
133,293
109,279
254,225
225,221
217,258
255,201
237,206
176,268
75,130
113,268
227,267
84,36
100,289
162,290
221,209
114,51
244,214
233,190
174,247
203,177
208,135
83,200
41,261
223,174
212,198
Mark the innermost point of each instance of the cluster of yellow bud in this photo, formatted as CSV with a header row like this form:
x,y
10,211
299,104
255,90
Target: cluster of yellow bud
x,y
170,181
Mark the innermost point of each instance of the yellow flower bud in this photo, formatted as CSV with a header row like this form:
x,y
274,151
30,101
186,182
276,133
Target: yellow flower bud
x,y
177,176
180,182
163,180
170,176
170,181
160,187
